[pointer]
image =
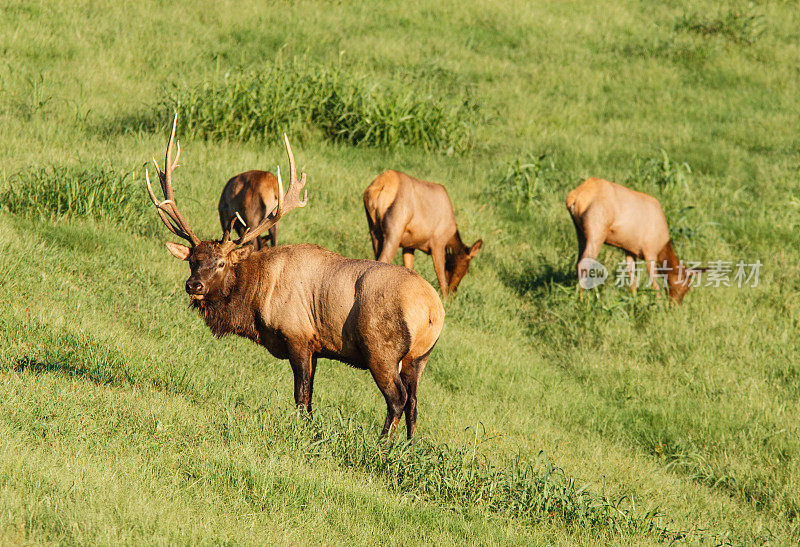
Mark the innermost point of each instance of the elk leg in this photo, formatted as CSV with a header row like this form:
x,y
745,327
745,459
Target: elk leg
x,y
408,258
581,249
273,235
391,242
438,256
303,365
374,234
651,271
393,390
392,226
592,231
581,240
410,374
591,249
313,368
631,267
224,219
377,242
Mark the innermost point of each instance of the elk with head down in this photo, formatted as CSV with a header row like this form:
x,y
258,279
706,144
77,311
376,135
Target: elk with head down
x,y
251,195
414,214
605,212
302,302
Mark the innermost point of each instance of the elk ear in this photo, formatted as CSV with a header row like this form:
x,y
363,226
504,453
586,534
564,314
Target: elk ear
x,y
475,248
181,252
237,255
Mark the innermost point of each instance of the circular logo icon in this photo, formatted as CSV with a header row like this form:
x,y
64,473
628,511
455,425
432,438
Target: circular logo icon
x,y
591,273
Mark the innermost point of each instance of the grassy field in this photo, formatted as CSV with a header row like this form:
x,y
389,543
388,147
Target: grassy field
x,y
543,418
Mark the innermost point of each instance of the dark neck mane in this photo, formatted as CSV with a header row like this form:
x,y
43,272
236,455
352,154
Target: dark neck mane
x,y
231,314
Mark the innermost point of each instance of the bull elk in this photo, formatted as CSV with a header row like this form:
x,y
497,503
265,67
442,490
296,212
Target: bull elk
x,y
302,302
605,212
417,215
252,195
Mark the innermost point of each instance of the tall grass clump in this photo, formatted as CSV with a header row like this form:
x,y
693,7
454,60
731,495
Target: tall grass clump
x,y
742,25
526,182
674,47
662,173
344,106
533,491
669,181
52,193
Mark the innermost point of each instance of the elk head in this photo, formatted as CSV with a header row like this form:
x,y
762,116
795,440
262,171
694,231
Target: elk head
x,y
456,264
213,263
679,280
679,277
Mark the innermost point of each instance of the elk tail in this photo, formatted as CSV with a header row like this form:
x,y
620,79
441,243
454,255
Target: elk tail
x,y
571,201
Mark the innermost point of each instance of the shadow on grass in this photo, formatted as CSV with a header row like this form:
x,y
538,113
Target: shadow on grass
x,y
145,121
111,376
37,366
527,278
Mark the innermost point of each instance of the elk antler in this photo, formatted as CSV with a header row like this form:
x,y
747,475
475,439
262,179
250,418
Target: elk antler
x,y
226,234
167,209
285,203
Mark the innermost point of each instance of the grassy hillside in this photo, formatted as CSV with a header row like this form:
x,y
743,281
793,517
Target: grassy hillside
x,y
543,418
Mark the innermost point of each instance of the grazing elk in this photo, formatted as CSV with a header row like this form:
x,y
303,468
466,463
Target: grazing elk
x,y
414,214
252,195
605,212
302,302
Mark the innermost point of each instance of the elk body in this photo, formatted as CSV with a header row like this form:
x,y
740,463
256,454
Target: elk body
x,y
253,195
302,302
605,212
417,215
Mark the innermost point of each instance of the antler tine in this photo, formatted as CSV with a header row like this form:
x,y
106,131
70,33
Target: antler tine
x,y
162,208
177,154
184,224
280,189
226,235
239,217
167,209
293,176
166,180
292,166
286,202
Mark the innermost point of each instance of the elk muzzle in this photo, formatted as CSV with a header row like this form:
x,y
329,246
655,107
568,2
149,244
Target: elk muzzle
x,y
195,287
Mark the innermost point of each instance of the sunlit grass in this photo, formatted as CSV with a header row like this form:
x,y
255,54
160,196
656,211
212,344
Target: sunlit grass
x,y
343,105
543,418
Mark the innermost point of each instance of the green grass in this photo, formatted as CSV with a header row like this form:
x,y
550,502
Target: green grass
x,y
341,105
543,418
739,23
55,192
524,183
